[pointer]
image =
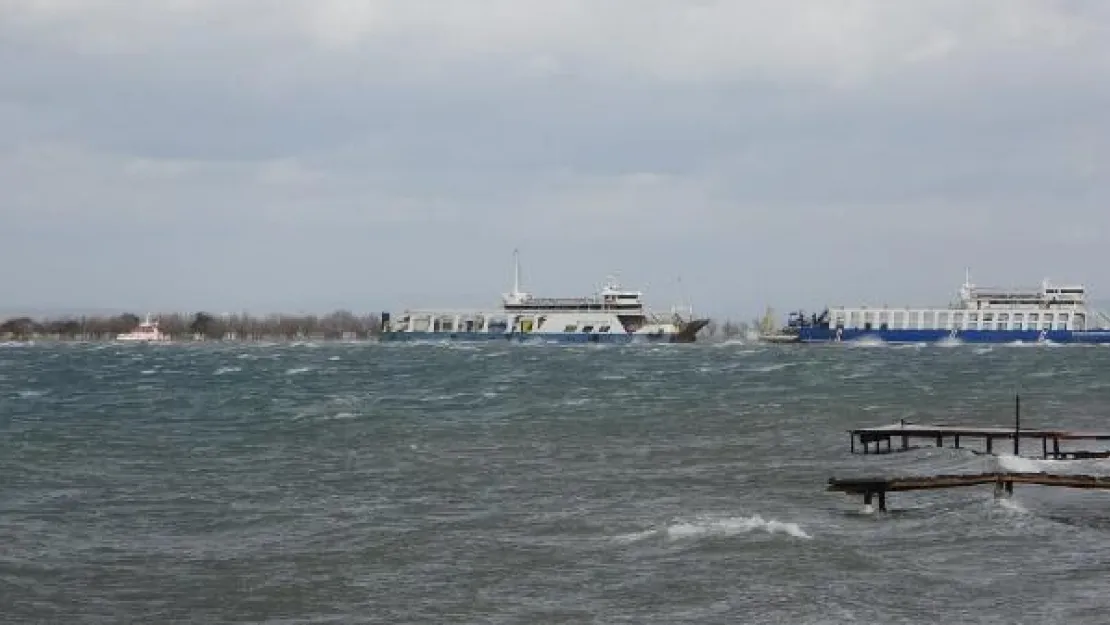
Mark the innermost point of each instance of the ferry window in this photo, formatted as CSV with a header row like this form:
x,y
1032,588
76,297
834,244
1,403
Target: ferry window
x,y
957,320
988,316
899,320
603,329
942,320
587,328
973,317
1080,323
571,328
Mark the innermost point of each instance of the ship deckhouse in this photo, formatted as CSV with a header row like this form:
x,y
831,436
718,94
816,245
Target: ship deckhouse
x,y
1072,296
611,298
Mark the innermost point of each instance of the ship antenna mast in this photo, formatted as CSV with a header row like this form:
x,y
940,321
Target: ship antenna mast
x,y
516,271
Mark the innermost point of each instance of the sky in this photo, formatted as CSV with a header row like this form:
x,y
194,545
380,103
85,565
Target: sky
x,y
308,155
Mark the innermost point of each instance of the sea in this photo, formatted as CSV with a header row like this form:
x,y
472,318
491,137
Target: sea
x,y
518,483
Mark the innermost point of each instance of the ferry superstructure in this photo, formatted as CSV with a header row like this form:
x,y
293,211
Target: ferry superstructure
x,y
1052,313
612,315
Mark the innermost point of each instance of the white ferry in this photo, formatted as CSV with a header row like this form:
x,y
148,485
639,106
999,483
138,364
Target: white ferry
x,y
613,315
1053,313
145,332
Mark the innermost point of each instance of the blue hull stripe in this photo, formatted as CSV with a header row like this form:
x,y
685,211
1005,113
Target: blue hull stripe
x,y
826,335
546,337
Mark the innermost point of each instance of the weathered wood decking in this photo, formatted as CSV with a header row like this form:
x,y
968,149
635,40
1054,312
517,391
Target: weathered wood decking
x,y
938,434
880,486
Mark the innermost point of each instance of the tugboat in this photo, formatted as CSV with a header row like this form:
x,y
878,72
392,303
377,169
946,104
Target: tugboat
x,y
788,334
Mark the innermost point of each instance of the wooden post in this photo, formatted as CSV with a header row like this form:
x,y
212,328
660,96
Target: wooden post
x,y
888,444
1009,487
957,441
1056,447
1017,424
867,498
940,441
1044,447
990,444
852,438
905,442
882,501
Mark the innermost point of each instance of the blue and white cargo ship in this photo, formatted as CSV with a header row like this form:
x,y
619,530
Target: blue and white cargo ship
x,y
1050,314
613,315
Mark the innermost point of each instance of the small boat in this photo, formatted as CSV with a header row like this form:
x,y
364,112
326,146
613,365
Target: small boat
x,y
768,333
145,332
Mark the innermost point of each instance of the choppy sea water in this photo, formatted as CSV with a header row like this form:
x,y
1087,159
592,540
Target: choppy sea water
x,y
533,484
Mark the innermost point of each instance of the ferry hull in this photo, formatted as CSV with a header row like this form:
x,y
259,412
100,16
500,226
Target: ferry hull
x,y
829,335
532,337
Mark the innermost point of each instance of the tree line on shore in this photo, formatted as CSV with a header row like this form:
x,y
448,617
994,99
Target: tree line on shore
x,y
340,324
202,325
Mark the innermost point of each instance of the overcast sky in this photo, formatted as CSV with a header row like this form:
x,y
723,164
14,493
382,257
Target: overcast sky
x,y
374,154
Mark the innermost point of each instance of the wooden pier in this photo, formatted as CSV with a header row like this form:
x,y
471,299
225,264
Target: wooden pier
x,y
1004,481
872,439
938,434
904,432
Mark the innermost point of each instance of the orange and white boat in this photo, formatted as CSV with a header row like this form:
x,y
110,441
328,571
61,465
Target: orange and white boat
x,y
145,332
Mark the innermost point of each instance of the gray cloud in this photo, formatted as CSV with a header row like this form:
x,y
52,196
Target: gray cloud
x,y
380,154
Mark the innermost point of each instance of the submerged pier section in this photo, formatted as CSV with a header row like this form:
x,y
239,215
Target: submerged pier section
x,y
878,487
